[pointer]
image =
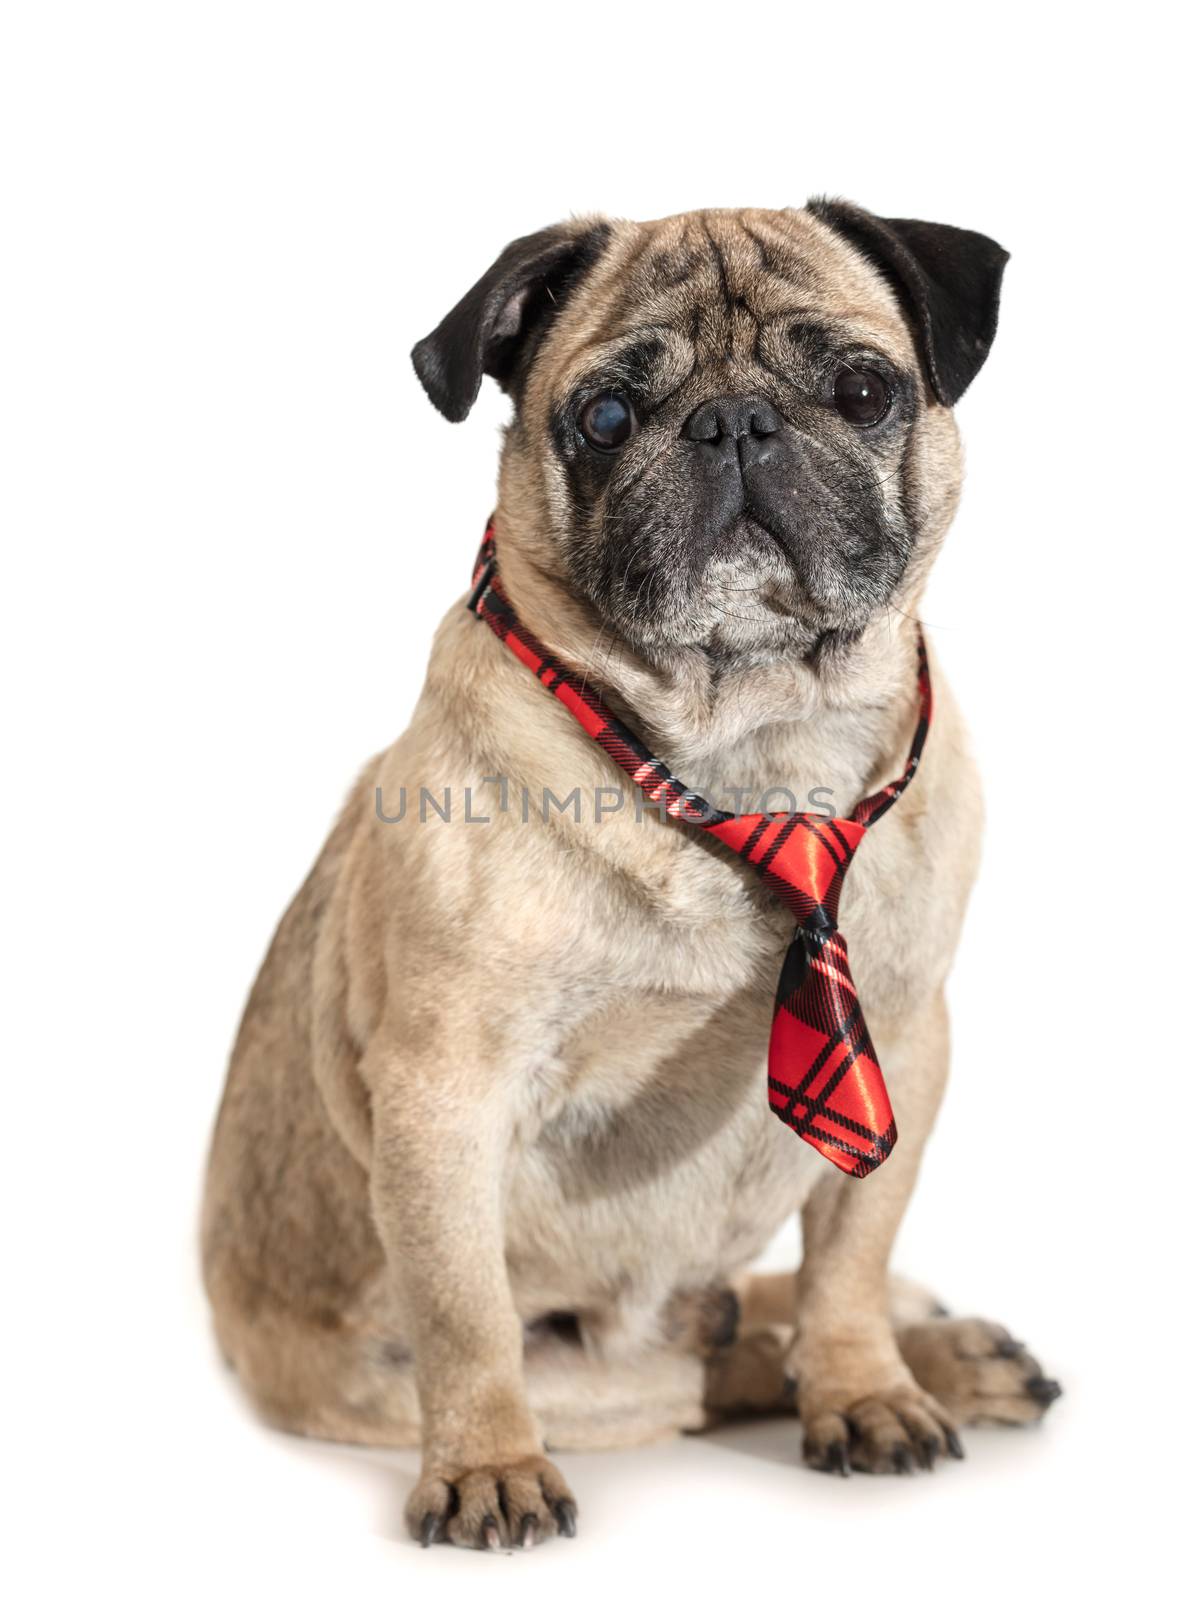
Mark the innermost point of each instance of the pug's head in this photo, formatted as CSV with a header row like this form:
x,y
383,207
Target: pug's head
x,y
731,428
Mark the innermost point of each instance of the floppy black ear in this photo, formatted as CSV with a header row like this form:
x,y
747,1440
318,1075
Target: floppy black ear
x,y
949,280
496,326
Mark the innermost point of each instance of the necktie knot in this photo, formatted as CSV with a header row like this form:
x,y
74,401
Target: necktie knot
x,y
803,858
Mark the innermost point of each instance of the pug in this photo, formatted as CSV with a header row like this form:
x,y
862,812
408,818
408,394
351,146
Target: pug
x,y
495,1153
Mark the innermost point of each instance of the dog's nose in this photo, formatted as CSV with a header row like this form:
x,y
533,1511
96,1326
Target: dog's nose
x,y
732,418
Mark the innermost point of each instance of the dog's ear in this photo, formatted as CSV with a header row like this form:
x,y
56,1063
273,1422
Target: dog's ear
x,y
497,324
949,280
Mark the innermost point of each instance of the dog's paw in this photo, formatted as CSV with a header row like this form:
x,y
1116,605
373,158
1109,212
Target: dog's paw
x,y
894,1431
510,1506
977,1371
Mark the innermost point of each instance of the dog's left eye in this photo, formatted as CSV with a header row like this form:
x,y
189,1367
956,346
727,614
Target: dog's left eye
x,y
862,398
607,421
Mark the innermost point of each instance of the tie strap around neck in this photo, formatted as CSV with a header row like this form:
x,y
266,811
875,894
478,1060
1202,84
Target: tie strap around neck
x,y
489,601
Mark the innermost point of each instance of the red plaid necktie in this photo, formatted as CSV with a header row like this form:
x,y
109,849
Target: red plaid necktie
x,y
825,1081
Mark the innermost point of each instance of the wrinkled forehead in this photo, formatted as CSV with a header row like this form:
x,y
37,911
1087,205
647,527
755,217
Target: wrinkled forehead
x,y
717,278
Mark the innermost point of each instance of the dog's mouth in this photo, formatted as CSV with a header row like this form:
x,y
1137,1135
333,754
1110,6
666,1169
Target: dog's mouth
x,y
748,535
754,588
821,581
753,565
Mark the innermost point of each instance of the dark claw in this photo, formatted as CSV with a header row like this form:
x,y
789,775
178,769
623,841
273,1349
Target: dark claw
x,y
1008,1348
835,1459
526,1531
490,1536
565,1514
1043,1390
430,1530
902,1459
929,1449
955,1448
940,1310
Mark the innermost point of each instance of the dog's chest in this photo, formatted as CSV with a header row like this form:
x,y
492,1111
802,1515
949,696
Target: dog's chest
x,y
664,1169
652,1161
657,1163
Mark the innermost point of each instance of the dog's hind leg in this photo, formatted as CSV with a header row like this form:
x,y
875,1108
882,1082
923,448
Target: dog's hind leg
x,y
588,1401
325,1382
974,1368
355,1387
748,1378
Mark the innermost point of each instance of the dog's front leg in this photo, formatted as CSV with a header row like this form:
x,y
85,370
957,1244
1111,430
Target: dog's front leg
x,y
442,1123
859,1404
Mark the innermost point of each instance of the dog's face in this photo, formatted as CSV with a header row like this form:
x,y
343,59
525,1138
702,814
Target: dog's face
x,y
731,428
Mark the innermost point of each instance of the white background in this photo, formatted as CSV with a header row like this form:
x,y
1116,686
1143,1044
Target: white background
x,y
231,522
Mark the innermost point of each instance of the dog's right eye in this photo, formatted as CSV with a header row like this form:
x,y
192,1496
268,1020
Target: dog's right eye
x,y
607,421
